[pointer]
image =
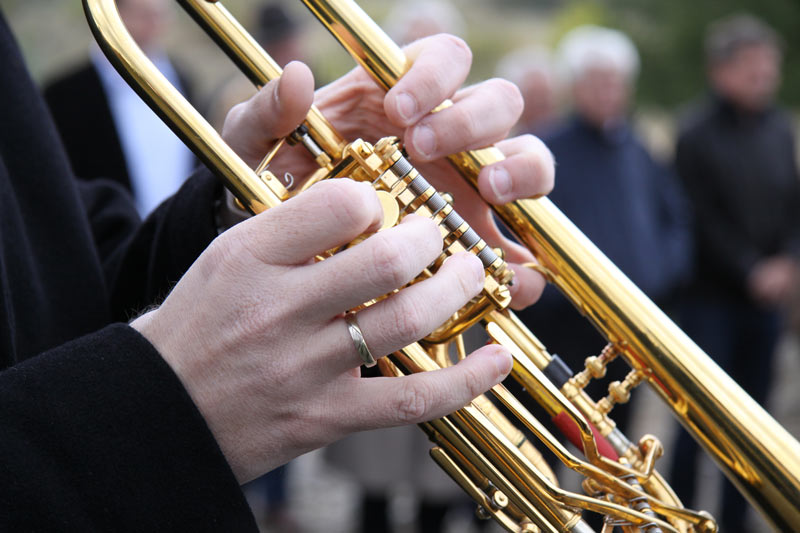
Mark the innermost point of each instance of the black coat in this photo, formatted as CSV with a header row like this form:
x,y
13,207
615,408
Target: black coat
x,y
96,431
80,109
740,173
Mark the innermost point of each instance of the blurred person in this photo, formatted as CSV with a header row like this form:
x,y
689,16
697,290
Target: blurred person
x,y
415,19
153,425
123,140
608,184
531,69
280,34
736,157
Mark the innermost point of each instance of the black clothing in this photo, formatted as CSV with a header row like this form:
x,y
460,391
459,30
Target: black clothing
x,y
96,431
740,173
93,146
631,207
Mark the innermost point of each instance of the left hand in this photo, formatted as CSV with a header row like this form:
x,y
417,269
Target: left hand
x,y
481,115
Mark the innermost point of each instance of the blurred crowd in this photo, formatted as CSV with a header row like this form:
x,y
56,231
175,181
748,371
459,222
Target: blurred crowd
x,y
712,235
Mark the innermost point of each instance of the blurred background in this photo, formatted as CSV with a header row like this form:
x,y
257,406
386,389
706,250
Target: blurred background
x,y
322,491
669,36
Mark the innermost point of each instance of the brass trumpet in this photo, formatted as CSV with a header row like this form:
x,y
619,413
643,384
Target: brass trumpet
x,y
478,446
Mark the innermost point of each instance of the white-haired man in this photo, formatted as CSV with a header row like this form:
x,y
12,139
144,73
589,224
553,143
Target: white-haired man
x,y
611,187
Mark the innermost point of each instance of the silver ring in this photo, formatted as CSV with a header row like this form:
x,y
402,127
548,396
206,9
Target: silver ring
x,y
358,339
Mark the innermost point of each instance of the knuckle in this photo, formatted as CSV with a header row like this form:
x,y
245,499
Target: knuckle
x,y
225,249
389,264
412,402
473,383
234,117
409,322
468,125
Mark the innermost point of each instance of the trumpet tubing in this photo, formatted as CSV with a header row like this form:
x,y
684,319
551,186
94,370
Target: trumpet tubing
x,y
479,446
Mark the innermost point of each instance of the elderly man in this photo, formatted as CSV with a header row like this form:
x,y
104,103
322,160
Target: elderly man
x,y
611,188
736,158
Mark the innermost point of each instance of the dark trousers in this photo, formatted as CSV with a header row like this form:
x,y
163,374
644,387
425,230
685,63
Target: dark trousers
x,y
741,338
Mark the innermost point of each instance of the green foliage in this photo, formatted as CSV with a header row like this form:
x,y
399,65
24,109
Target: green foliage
x,y
670,39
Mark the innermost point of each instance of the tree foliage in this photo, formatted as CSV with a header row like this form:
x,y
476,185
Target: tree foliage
x,y
670,37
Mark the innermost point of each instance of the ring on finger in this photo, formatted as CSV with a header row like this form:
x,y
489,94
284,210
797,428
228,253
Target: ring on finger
x,y
358,340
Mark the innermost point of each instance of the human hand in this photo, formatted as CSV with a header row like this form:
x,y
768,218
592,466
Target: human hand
x,y
255,329
481,115
774,280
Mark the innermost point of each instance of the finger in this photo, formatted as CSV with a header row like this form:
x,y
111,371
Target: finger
x,y
410,314
528,284
386,402
527,172
277,109
384,262
328,215
527,287
440,66
479,116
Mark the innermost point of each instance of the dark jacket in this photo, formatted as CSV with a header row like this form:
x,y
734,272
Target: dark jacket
x,y
740,173
629,206
83,118
96,431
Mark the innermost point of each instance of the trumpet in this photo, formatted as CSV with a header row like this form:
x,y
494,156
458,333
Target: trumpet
x,y
479,446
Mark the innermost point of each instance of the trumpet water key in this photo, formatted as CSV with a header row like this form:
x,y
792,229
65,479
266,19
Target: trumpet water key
x,y
486,453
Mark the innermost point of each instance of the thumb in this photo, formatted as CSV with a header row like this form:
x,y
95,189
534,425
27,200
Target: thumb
x,y
278,108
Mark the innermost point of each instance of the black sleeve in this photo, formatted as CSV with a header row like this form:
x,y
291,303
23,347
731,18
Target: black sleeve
x,y
111,442
717,238
791,239
142,261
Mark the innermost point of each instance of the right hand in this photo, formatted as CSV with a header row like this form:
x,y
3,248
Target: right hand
x,y
481,115
255,332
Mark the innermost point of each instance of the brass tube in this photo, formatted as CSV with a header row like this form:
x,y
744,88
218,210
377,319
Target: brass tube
x,y
758,455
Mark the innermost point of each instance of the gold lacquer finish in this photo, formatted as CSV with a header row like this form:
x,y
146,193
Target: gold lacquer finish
x,y
487,455
754,451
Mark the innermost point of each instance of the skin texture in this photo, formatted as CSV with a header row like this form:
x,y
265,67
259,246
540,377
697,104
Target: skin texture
x,y
255,329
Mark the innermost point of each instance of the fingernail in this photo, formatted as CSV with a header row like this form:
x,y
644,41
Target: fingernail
x,y
406,106
503,361
500,182
424,140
